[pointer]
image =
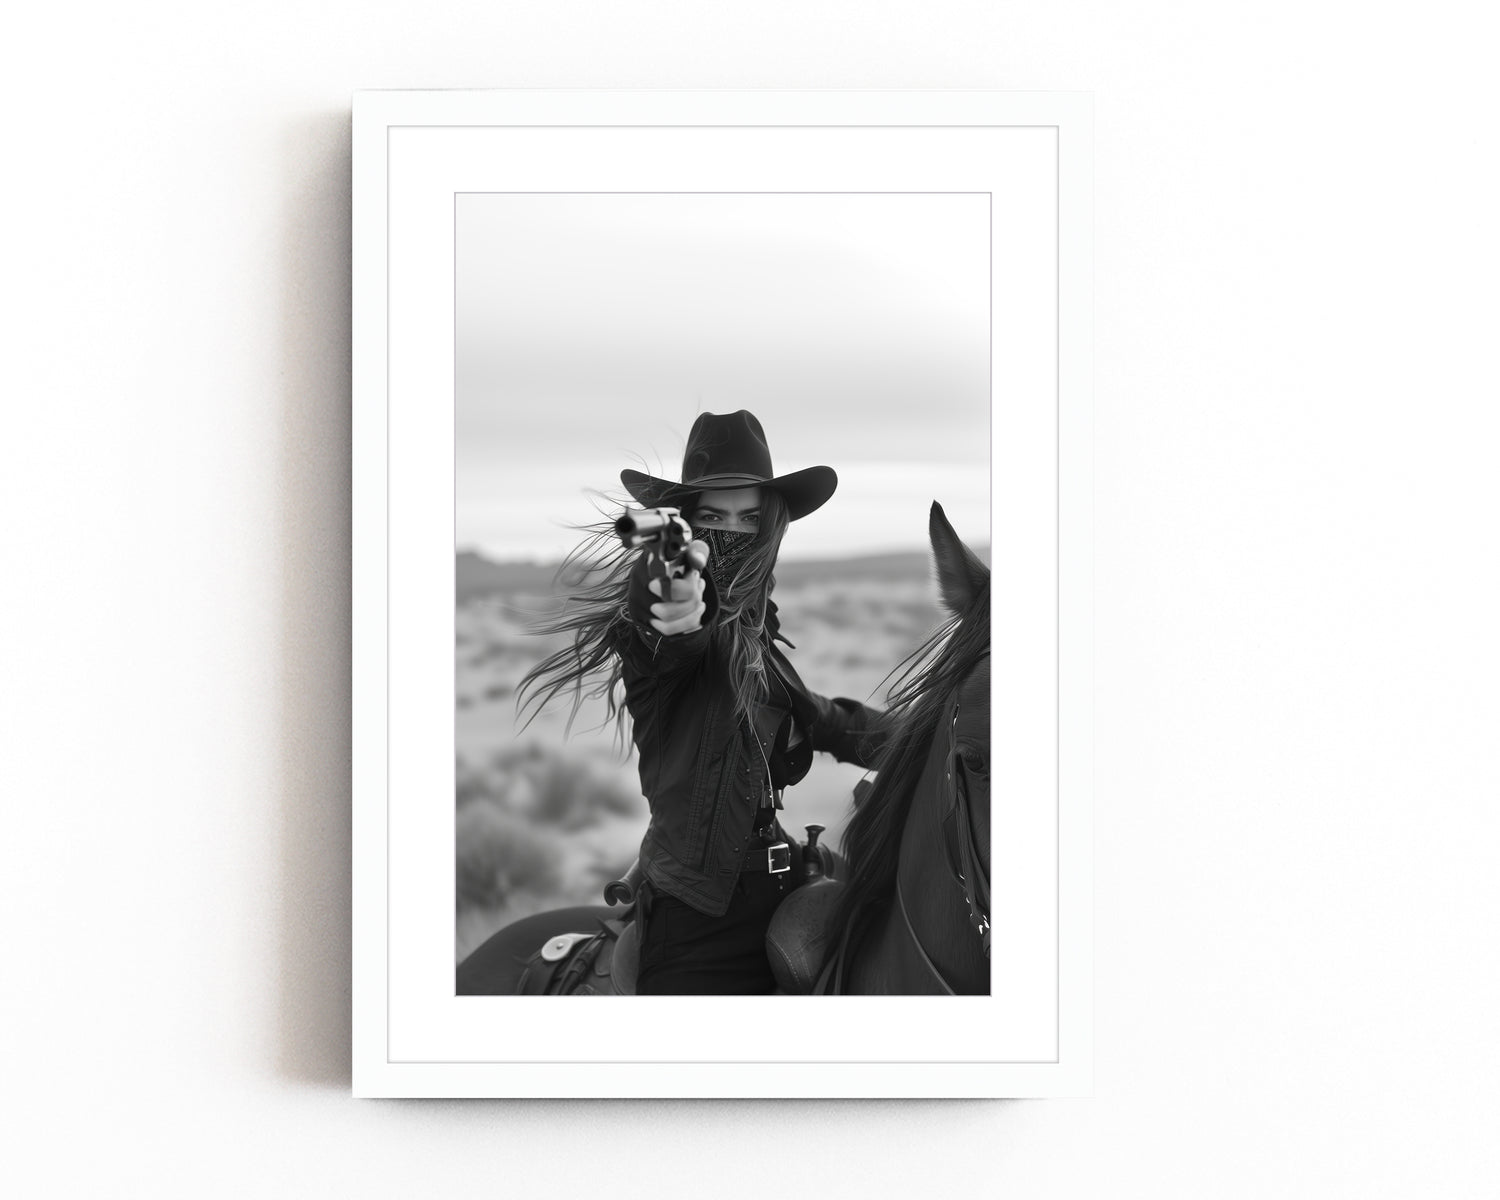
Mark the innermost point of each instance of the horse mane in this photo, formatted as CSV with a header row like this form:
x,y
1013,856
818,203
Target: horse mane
x,y
923,681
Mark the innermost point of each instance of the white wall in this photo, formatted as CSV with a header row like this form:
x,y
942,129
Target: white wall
x,y
1296,706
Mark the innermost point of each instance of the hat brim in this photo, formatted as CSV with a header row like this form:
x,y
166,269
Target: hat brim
x,y
804,491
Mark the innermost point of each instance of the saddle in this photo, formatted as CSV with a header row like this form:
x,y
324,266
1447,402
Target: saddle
x,y
605,961
601,963
799,936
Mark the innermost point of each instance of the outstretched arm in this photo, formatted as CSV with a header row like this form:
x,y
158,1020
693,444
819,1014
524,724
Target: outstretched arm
x,y
850,731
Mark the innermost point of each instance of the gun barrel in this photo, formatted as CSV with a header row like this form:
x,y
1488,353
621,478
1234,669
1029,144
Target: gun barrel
x,y
663,526
643,522
663,529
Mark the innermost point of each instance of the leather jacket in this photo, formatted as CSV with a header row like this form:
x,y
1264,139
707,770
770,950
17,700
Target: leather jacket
x,y
704,772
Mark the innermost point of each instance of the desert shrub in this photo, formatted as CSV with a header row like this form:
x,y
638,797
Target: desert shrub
x,y
501,858
559,788
471,783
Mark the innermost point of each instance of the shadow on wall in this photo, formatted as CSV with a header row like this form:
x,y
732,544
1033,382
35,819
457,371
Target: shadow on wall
x,y
312,971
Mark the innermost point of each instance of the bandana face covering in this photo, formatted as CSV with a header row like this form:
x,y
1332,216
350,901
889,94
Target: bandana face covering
x,y
727,550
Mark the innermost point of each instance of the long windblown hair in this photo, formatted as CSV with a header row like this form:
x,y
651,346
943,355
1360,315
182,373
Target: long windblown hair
x,y
596,617
924,680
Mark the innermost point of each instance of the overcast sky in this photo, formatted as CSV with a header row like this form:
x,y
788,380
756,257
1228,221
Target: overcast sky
x,y
592,328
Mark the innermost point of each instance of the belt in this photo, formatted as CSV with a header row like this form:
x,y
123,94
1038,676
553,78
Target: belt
x,y
775,858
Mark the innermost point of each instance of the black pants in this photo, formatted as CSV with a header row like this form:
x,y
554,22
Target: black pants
x,y
687,953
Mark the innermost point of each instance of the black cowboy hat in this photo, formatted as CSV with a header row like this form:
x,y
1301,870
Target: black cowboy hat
x,y
726,452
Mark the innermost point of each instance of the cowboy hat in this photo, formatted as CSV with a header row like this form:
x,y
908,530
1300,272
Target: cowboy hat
x,y
726,452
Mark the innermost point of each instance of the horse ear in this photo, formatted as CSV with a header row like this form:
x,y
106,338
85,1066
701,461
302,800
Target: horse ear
x,y
960,574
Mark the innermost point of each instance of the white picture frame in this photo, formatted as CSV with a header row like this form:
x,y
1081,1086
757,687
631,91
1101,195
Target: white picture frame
x,y
414,152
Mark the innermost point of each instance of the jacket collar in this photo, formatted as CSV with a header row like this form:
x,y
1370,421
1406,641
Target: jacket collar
x,y
773,625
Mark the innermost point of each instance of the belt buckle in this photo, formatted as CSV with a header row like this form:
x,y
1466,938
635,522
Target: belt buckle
x,y
778,852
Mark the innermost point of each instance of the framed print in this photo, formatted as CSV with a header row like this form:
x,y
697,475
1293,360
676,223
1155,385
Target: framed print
x,y
690,432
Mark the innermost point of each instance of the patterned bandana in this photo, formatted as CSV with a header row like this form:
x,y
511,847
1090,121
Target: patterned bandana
x,y
727,550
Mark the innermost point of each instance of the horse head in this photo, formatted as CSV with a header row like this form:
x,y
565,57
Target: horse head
x,y
915,912
963,584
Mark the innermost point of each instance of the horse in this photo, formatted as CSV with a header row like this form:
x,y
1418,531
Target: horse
x,y
907,910
913,916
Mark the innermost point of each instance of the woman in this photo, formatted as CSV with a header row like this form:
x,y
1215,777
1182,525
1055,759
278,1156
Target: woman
x,y
719,718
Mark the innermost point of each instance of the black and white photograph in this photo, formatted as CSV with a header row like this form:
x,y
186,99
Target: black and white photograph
x,y
722,527
692,454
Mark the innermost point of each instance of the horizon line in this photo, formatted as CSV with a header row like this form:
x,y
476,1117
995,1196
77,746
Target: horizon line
x,y
981,548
